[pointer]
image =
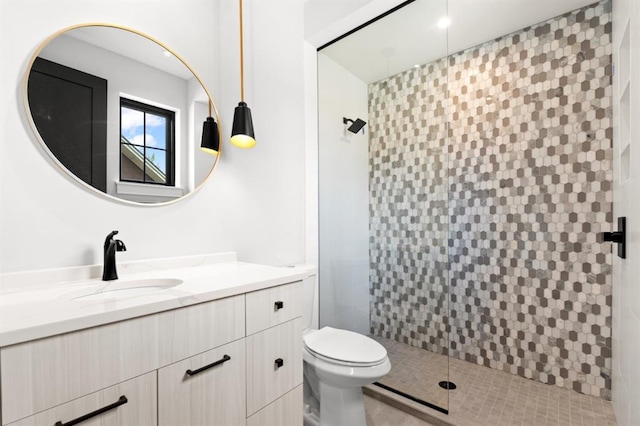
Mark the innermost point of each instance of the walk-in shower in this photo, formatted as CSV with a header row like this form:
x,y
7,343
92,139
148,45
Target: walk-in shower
x,y
460,230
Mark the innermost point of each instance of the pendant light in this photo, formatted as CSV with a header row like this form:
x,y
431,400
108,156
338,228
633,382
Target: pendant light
x,y
210,137
242,134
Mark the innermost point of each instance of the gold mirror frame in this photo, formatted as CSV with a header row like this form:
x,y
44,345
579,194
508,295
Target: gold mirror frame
x,y
62,167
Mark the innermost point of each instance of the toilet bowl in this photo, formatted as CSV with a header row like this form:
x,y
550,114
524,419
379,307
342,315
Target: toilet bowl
x,y
337,363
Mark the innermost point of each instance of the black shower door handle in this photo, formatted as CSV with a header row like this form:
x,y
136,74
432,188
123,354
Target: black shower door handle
x,y
619,237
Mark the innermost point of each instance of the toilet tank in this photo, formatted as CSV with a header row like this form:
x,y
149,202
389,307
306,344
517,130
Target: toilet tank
x,y
310,308
310,302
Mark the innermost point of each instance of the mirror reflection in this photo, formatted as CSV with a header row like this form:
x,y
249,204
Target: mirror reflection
x,y
120,112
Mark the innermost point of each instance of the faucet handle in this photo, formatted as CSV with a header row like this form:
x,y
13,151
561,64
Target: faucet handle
x,y
120,246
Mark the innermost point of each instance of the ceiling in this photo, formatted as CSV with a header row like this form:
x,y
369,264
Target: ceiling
x,y
411,35
132,46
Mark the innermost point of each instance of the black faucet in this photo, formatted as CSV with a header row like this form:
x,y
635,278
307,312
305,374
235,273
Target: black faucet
x,y
111,246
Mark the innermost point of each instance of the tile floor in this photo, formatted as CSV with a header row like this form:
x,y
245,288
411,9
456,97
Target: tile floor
x,y
488,397
381,414
416,372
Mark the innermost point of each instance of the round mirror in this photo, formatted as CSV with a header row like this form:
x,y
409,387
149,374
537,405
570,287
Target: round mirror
x,y
121,113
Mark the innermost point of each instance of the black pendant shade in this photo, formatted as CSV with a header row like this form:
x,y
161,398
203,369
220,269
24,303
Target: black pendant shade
x,y
242,134
210,137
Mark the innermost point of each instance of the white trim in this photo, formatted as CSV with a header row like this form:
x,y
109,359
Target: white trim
x,y
311,153
353,20
130,188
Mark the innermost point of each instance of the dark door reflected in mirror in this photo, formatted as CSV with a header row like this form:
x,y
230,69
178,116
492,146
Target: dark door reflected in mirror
x,y
69,109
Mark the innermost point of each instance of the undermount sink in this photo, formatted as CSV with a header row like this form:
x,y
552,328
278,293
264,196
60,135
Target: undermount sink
x,y
131,288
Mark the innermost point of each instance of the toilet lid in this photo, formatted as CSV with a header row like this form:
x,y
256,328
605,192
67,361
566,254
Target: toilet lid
x,y
345,345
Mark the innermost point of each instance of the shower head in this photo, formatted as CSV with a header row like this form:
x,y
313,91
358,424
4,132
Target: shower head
x,y
356,125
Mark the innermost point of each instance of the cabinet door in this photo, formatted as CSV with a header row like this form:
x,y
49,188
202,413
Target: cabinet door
x,y
286,411
206,389
41,374
192,330
129,403
274,364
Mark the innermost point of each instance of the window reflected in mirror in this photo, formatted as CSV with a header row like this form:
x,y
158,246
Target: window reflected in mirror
x,y
146,143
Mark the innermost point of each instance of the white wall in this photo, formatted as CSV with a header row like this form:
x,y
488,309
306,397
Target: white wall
x,y
344,200
254,203
626,187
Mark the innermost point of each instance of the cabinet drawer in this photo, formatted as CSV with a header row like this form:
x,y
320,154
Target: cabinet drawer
x,y
192,330
44,373
266,381
139,409
213,396
272,306
286,411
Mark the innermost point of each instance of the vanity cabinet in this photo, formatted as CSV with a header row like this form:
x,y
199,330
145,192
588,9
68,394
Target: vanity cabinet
x,y
231,361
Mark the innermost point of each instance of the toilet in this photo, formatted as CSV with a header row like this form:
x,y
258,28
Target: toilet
x,y
337,363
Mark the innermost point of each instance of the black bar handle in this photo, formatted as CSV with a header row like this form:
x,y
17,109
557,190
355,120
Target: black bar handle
x,y
619,237
279,305
121,401
279,363
206,367
614,237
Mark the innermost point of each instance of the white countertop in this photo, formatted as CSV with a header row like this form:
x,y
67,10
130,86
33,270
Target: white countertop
x,y
40,311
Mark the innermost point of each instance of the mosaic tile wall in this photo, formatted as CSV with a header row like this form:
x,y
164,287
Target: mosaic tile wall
x,y
497,223
408,206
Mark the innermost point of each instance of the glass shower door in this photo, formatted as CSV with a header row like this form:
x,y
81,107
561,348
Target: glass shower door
x,y
408,228
384,195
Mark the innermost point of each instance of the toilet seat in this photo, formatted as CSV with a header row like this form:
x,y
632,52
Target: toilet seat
x,y
341,362
345,347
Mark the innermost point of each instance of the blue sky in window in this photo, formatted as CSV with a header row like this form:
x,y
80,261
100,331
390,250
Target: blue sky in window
x,y
132,128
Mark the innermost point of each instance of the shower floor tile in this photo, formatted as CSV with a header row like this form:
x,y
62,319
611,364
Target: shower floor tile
x,y
488,397
380,414
416,372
